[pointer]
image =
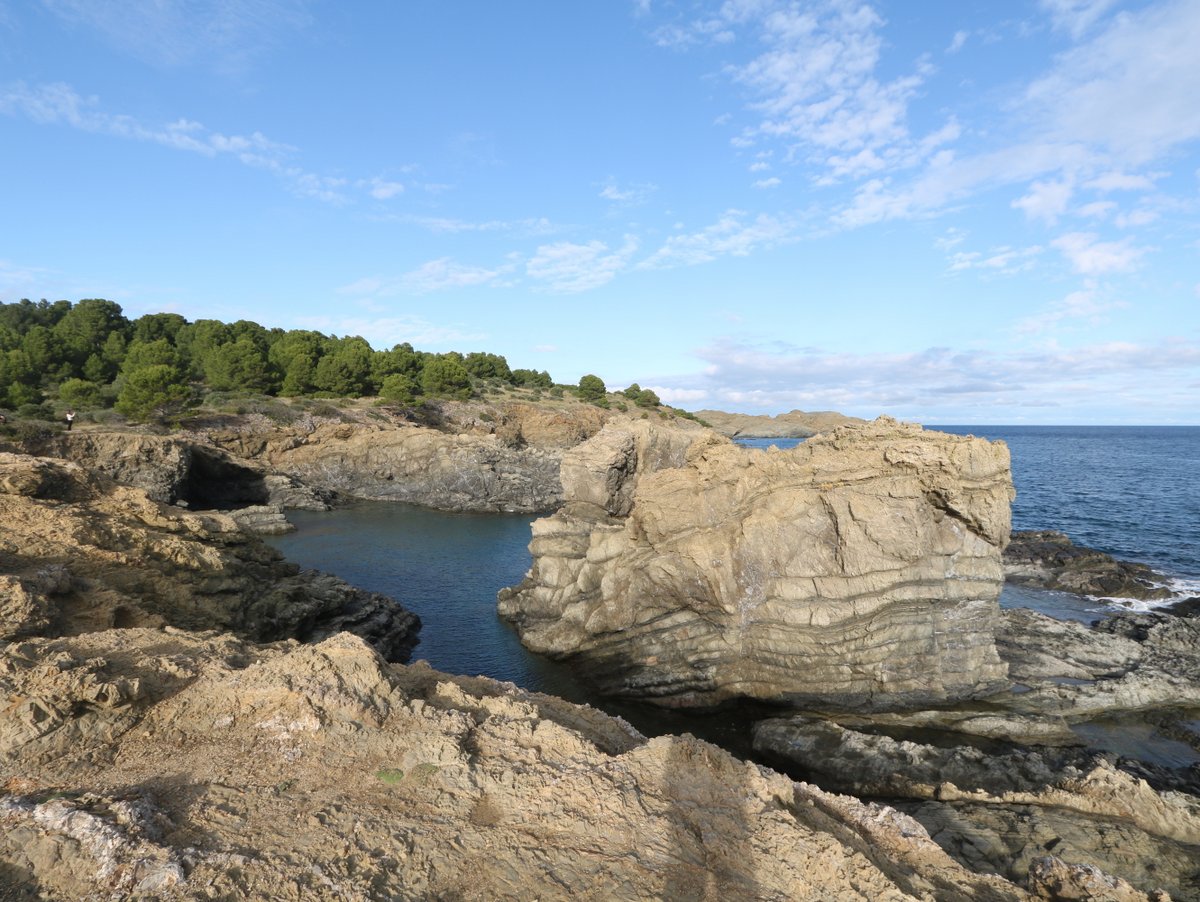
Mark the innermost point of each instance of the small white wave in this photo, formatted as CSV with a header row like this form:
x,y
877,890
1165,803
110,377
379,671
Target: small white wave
x,y
1184,586
1137,605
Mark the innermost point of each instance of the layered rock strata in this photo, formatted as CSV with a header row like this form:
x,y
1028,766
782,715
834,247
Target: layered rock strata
x,y
1001,781
463,457
79,553
858,570
157,764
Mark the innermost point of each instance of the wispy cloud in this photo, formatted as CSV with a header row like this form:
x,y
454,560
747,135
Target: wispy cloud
x,y
442,274
1097,116
450,225
734,234
627,195
1003,260
1088,305
223,35
60,104
568,267
1090,256
1076,16
742,375
387,331
1046,200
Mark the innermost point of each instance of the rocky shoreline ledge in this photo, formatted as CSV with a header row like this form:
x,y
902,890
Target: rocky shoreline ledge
x,y
185,719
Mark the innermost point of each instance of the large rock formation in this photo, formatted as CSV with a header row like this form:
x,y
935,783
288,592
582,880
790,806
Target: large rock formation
x,y
859,570
156,764
80,553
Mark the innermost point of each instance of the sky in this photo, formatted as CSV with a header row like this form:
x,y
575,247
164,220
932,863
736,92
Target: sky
x,y
950,212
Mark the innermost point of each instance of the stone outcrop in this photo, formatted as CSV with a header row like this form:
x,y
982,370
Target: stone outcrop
x,y
80,553
180,469
472,456
160,764
795,424
1001,781
859,570
1049,560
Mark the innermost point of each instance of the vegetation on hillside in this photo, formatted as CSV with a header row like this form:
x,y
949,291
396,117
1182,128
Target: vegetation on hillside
x,y
90,356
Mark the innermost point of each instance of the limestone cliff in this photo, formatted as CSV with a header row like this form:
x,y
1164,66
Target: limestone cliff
x,y
859,570
79,553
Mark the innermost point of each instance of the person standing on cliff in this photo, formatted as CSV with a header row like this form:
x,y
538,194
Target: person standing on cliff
x,y
70,419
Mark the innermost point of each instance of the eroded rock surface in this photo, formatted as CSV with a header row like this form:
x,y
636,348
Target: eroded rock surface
x,y
215,768
859,570
80,553
1049,560
1004,780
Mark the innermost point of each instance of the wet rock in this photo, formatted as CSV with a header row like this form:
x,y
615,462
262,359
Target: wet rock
x,y
1049,560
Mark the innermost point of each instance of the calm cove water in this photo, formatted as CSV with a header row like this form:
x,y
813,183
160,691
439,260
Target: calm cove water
x,y
1131,491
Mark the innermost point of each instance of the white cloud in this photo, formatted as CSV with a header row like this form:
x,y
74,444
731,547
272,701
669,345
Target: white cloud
x,y
760,166
382,189
815,84
628,195
1086,304
538,226
772,182
569,267
1115,103
387,331
172,33
60,104
732,235
1075,16
1090,256
1120,181
442,274
1135,218
777,376
1097,210
1004,260
1129,92
957,42
951,239
1045,201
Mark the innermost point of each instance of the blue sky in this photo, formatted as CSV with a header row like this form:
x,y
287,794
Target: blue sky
x,y
954,212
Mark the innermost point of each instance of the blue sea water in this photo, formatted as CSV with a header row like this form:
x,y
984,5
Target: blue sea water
x,y
1131,491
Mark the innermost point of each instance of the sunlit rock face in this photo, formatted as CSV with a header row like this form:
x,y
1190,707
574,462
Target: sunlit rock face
x,y
859,570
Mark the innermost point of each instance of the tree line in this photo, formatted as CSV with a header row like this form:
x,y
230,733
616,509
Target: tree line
x,y
90,355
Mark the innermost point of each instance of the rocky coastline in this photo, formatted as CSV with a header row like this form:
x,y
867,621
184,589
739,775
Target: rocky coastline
x,y
187,716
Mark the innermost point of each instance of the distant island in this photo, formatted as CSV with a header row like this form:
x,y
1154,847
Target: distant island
x,y
794,424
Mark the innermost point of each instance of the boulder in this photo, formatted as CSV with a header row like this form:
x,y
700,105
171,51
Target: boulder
x,y
858,570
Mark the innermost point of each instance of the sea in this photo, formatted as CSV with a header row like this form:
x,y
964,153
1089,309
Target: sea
x,y
1133,492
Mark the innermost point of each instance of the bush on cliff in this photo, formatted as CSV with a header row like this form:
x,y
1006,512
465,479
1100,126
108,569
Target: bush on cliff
x,y
591,389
